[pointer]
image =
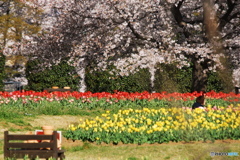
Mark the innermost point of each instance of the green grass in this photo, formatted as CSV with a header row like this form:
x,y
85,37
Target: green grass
x,y
1,145
155,152
16,109
90,151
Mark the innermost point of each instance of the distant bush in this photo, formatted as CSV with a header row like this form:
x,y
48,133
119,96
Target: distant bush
x,y
108,81
169,78
60,75
214,82
172,79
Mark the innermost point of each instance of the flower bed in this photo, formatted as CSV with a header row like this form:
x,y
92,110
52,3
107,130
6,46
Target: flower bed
x,y
16,104
133,117
159,125
117,100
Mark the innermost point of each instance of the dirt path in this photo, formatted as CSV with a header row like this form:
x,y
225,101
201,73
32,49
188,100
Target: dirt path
x,y
58,122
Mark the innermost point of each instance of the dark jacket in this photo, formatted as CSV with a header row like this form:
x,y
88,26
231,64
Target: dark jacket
x,y
197,105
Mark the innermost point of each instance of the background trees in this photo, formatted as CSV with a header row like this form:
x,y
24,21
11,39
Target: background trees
x,y
18,22
61,75
132,35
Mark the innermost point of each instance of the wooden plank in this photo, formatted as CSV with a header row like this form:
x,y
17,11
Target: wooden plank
x,y
30,145
6,153
55,141
57,90
20,149
29,137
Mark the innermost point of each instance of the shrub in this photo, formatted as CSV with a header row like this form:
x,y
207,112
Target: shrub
x,y
214,82
168,78
104,81
60,75
172,79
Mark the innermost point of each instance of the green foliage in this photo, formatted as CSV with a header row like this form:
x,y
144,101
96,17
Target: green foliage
x,y
225,74
219,82
169,78
60,75
214,82
225,79
29,107
104,81
8,112
2,72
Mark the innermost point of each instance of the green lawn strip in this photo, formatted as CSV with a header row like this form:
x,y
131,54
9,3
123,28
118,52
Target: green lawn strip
x,y
95,106
172,151
175,151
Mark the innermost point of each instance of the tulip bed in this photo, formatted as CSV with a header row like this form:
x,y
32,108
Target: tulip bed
x,y
133,117
159,125
116,100
73,103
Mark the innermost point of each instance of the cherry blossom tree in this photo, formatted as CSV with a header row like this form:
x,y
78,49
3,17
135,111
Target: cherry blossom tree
x,y
133,34
18,22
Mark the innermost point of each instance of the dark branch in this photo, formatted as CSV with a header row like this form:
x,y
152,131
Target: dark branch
x,y
226,17
138,36
177,14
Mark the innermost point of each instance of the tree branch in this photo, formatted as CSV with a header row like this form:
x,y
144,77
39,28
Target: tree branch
x,y
138,36
226,17
177,14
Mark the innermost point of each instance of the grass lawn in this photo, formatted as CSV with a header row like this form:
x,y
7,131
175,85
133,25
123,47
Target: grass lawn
x,y
88,151
171,151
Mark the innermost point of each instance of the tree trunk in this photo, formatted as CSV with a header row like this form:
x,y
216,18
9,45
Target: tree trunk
x,y
6,25
211,23
199,76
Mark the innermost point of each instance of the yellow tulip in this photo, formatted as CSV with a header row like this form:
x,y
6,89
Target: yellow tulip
x,y
169,118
